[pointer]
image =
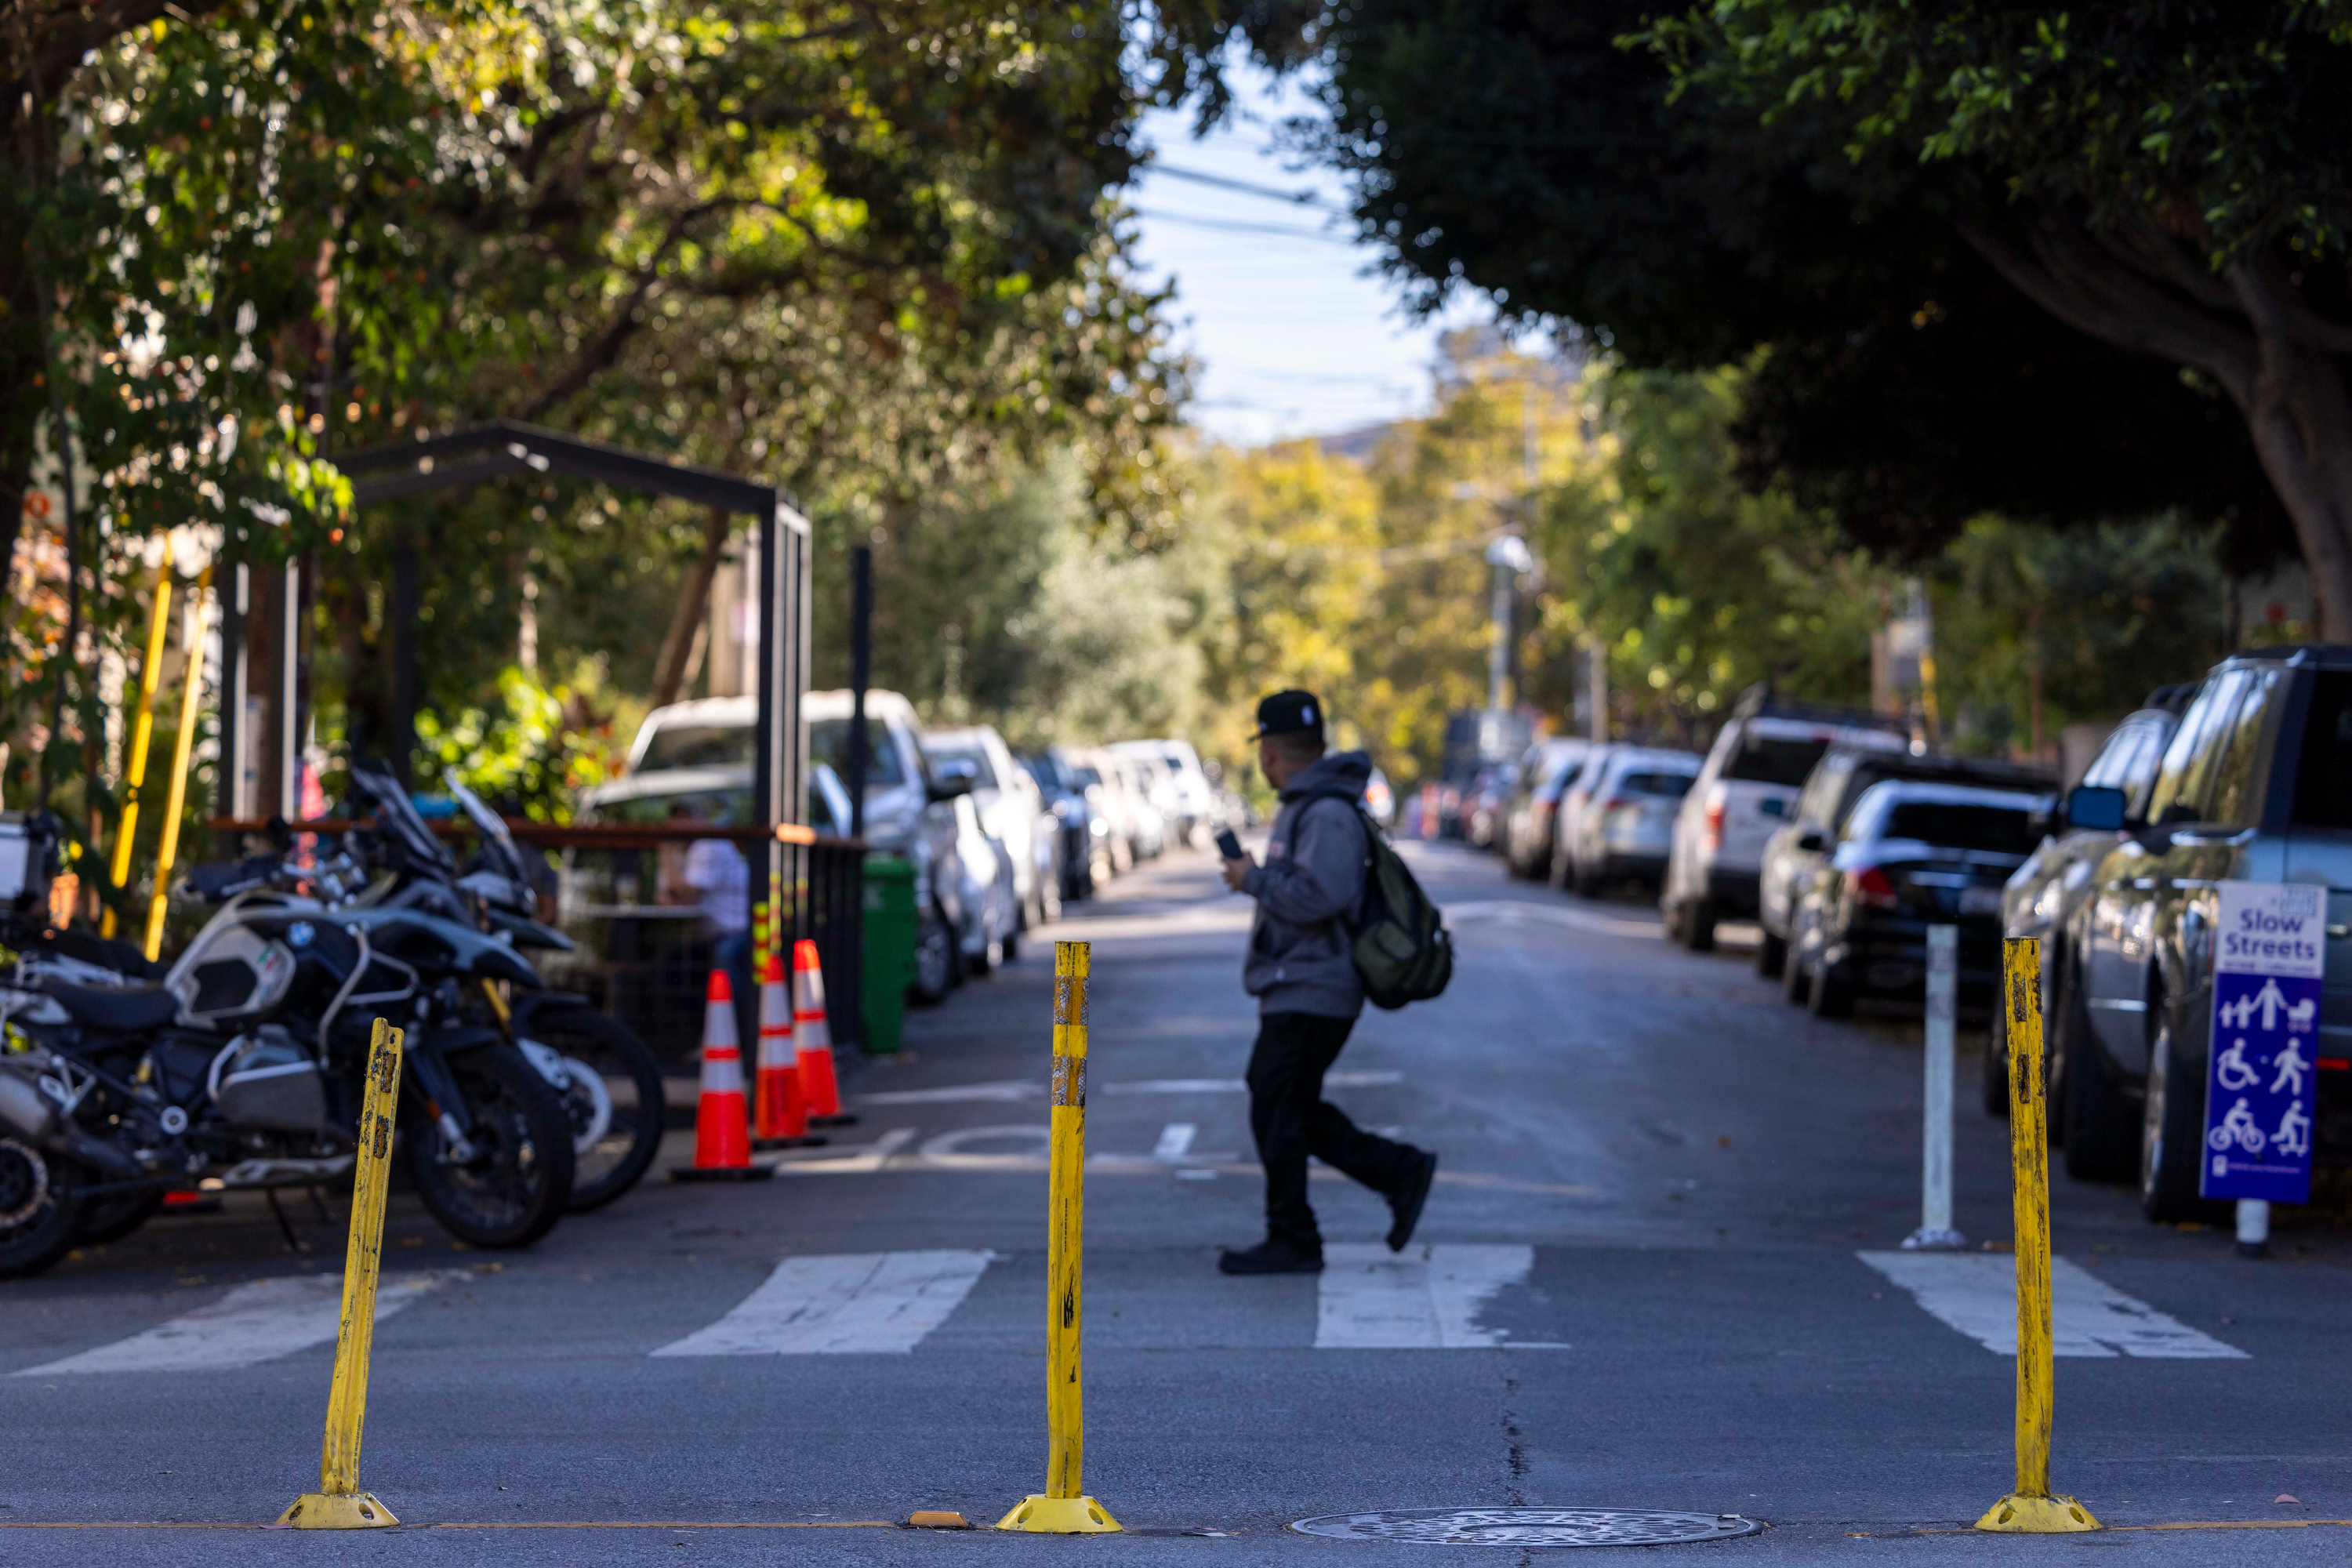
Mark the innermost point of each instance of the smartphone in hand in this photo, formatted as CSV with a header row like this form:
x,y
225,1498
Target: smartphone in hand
x,y
1227,844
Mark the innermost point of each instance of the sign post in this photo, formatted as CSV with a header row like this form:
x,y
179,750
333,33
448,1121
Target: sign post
x,y
2262,1070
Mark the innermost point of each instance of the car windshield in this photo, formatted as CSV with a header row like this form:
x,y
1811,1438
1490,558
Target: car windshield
x,y
1667,786
829,744
1774,759
984,772
1949,825
696,746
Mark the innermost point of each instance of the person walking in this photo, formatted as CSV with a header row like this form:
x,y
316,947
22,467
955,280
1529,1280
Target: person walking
x,y
1301,970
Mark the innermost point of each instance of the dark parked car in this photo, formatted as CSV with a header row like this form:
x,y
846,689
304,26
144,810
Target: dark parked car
x,y
1912,854
2044,896
2255,787
1795,854
1532,816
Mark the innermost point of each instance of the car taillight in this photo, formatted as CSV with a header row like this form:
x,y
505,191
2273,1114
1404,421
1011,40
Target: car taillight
x,y
1614,803
1871,886
1715,823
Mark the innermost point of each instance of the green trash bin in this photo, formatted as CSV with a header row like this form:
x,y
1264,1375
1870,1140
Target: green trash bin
x,y
890,932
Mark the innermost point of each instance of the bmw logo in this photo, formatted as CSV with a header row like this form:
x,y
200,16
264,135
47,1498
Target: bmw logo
x,y
301,933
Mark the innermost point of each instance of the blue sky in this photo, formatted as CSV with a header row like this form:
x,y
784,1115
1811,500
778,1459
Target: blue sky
x,y
1293,334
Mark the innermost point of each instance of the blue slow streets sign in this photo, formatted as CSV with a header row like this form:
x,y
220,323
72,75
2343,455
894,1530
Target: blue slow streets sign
x,y
2262,1084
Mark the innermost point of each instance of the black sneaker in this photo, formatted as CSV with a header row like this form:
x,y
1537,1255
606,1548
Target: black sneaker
x,y
1271,1258
1405,1202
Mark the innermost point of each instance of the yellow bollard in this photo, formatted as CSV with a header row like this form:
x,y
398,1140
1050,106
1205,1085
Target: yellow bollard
x,y
2030,1510
190,689
1063,1509
339,1504
142,728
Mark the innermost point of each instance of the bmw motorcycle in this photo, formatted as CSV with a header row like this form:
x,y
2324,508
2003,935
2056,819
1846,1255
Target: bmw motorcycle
x,y
241,1067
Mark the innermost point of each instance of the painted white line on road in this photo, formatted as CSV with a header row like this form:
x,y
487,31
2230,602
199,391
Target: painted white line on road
x,y
1175,1141
1511,912
1976,1292
850,1303
1424,1298
253,1323
858,1160
1017,1089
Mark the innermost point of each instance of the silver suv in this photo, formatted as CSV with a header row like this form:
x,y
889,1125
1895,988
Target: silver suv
x,y
1760,760
2256,785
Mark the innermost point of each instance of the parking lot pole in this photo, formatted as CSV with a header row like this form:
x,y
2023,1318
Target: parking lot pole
x,y
339,1504
1936,1233
2030,1510
1063,1509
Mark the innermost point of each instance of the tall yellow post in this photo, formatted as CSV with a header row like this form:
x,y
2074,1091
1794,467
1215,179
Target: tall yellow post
x,y
1062,1508
143,730
2030,1510
191,688
339,1504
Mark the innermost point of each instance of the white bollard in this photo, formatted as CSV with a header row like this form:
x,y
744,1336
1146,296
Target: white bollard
x,y
1936,1233
2253,1228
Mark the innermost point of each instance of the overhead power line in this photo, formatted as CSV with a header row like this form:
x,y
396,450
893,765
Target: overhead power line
x,y
1248,188
1236,226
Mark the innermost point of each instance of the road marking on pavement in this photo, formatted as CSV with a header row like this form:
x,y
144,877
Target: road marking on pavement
x,y
1976,1292
1175,1141
856,1160
1015,1090
849,1303
253,1323
1424,1298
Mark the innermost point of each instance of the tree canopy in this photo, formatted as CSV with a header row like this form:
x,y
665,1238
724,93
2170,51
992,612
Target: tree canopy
x,y
1748,183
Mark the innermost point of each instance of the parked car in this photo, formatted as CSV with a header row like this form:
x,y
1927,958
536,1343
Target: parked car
x,y
1912,854
704,747
1573,799
1794,856
1013,810
1534,810
2252,787
1760,760
1081,837
1110,796
1189,800
1483,805
2040,901
1146,825
1625,823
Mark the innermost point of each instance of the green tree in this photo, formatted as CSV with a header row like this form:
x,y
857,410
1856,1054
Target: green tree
x,y
1538,153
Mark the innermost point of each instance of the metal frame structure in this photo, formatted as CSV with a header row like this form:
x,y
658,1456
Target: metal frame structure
x,y
459,457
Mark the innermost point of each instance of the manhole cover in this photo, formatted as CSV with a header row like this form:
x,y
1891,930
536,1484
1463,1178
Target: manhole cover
x,y
1529,1526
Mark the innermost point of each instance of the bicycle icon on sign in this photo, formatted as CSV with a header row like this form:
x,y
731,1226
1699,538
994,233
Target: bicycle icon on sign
x,y
2238,1127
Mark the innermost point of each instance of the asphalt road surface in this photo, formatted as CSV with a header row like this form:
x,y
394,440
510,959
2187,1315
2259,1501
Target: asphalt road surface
x,y
1652,1276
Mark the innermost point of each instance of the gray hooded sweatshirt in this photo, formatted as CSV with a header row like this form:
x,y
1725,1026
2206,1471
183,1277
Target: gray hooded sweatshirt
x,y
1309,886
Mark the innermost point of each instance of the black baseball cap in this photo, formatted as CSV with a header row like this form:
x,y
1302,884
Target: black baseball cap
x,y
1290,713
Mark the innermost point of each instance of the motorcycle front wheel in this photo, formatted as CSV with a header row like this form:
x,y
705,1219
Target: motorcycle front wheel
x,y
511,1181
39,1216
612,1096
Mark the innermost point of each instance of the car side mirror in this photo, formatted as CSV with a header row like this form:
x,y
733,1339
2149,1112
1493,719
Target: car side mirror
x,y
2096,807
1774,807
949,780
1812,841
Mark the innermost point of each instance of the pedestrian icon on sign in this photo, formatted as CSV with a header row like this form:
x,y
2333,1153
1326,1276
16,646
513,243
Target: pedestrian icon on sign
x,y
2291,1069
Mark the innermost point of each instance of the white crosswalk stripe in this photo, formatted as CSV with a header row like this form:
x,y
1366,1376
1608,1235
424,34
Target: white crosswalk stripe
x,y
854,1303
1976,1292
1424,1298
251,1324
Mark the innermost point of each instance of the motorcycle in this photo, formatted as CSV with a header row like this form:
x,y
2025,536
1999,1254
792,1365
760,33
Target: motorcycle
x,y
241,1069
608,1078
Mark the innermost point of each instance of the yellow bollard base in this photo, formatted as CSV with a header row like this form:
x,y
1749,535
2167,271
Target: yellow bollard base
x,y
335,1511
1041,1515
2019,1515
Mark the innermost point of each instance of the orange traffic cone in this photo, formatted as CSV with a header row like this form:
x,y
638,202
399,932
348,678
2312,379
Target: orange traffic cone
x,y
813,1039
722,1141
780,1119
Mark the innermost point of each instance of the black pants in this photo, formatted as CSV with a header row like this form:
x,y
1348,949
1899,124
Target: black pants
x,y
1291,1120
